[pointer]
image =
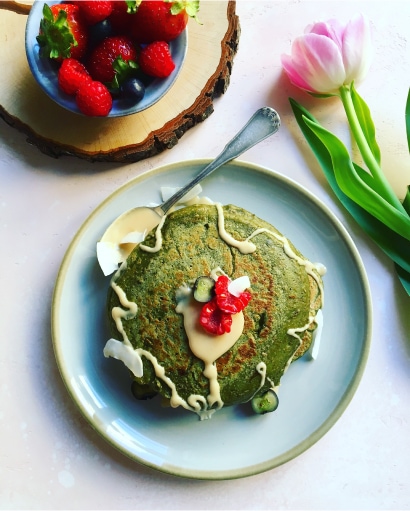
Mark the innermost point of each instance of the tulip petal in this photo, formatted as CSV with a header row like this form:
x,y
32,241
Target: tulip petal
x,y
332,29
330,55
315,61
293,73
357,48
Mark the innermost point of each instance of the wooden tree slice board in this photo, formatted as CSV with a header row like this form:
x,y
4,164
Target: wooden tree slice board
x,y
205,75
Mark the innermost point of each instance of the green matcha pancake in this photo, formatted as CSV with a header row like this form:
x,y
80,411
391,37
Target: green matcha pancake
x,y
211,309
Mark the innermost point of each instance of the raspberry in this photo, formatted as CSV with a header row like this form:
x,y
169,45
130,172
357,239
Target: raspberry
x,y
214,320
156,60
71,75
221,284
233,304
216,315
226,301
94,99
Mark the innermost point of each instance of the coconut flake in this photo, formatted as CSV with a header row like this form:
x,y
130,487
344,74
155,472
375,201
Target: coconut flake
x,y
109,256
238,286
134,237
317,335
127,355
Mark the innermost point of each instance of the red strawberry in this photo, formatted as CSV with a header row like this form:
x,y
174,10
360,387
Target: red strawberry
x,y
162,20
122,17
94,11
100,63
94,99
156,60
71,75
63,32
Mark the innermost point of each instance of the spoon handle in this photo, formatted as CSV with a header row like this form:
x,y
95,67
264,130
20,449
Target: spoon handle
x,y
262,124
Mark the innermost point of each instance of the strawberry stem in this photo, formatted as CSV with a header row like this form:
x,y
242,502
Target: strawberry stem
x,y
132,6
124,69
55,38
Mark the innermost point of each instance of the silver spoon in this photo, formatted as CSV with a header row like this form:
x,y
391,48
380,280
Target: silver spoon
x,y
262,124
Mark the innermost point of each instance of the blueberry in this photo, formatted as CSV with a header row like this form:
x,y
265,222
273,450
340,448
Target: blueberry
x,y
267,402
100,31
204,289
133,89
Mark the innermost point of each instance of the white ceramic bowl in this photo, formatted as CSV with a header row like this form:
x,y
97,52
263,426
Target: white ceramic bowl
x,y
45,71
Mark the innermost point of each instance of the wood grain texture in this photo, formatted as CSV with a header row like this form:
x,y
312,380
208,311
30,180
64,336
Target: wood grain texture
x,y
212,46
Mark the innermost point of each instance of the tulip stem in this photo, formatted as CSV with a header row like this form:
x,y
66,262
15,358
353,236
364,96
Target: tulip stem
x,y
365,151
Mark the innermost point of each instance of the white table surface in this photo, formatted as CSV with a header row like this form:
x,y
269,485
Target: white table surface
x,y
50,457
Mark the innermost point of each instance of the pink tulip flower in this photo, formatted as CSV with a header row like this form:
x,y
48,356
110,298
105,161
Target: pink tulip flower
x,y
330,55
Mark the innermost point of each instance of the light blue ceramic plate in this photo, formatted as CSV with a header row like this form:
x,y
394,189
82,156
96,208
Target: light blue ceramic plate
x,y
233,444
45,72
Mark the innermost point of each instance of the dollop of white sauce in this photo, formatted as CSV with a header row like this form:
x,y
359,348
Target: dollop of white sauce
x,y
205,346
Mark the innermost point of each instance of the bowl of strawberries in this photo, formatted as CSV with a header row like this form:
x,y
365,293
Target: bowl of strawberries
x,y
107,58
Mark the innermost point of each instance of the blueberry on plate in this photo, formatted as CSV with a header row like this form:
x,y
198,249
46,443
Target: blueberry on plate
x,y
267,402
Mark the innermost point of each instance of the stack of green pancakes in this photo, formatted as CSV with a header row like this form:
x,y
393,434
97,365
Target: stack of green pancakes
x,y
278,322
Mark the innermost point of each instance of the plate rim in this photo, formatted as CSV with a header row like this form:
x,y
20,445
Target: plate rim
x,y
340,406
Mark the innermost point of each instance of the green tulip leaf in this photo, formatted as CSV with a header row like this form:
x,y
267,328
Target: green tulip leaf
x,y
404,277
364,137
366,122
367,178
407,118
355,188
395,246
406,202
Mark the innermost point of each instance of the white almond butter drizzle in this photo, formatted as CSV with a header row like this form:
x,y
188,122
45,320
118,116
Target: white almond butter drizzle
x,y
205,346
